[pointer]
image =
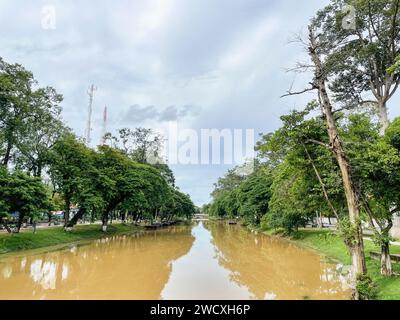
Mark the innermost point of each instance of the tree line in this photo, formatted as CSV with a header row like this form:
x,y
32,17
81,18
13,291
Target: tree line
x,y
339,156
45,167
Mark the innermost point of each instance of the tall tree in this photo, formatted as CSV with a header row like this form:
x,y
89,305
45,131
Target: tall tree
x,y
354,238
254,195
319,53
24,195
141,144
361,53
71,163
33,149
22,107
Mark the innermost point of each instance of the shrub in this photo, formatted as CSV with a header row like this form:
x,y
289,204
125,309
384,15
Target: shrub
x,y
365,287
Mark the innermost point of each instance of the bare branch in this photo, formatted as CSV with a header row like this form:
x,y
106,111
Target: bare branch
x,y
300,67
293,93
297,38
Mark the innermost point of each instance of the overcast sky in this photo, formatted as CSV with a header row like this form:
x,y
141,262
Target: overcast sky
x,y
204,63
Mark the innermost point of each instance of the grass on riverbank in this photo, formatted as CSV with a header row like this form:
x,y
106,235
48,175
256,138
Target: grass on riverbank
x,y
332,246
57,236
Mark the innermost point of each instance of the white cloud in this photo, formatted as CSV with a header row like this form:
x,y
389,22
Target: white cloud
x,y
226,56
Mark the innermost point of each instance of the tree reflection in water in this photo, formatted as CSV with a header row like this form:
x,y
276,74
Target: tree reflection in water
x,y
203,261
273,268
120,267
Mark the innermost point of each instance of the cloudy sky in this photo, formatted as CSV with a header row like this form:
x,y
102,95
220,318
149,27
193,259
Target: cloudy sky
x,y
203,63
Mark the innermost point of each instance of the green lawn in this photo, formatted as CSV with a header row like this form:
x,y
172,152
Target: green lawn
x,y
333,247
57,236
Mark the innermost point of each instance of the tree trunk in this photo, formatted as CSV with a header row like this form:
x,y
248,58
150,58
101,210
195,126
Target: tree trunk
x,y
5,225
71,223
383,116
357,247
381,232
318,220
66,211
38,172
7,154
19,222
105,217
386,263
104,223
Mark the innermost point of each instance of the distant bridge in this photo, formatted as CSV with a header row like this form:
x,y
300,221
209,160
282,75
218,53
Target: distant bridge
x,y
200,217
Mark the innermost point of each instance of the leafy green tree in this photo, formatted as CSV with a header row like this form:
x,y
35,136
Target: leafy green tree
x,y
254,195
71,163
135,207
24,195
230,181
360,56
143,146
157,191
140,144
113,181
33,149
291,204
395,68
4,205
330,47
242,196
376,168
301,144
221,207
166,172
319,55
183,206
22,107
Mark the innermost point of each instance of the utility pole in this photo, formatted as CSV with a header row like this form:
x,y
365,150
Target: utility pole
x,y
90,93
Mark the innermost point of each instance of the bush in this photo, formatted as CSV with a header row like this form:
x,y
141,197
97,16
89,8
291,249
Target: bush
x,y
288,221
264,225
365,287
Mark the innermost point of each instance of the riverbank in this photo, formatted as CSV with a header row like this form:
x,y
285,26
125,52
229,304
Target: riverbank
x,y
331,246
57,236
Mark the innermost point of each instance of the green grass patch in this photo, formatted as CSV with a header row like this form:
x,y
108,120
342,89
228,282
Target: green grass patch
x,y
57,236
332,246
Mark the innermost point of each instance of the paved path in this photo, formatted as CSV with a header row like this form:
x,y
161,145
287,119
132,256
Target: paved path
x,y
45,225
393,243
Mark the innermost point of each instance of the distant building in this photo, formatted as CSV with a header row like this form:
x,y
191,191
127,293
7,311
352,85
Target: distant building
x,y
395,232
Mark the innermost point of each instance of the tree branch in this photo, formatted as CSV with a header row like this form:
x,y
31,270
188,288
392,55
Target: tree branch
x,y
293,93
321,183
319,143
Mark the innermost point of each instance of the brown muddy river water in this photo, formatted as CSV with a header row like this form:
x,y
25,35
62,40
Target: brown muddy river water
x,y
204,261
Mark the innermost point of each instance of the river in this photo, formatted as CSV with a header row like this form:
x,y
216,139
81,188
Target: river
x,y
206,260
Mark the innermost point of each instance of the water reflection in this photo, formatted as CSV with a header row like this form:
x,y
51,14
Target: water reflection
x,y
210,261
124,267
273,268
198,274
